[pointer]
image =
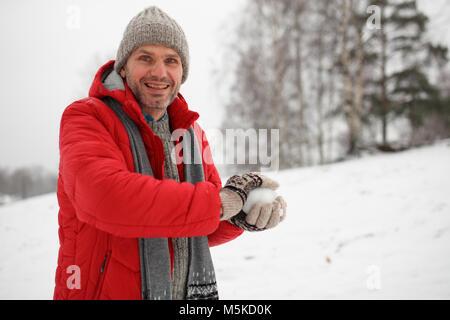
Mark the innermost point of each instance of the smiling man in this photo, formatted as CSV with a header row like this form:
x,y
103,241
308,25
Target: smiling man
x,y
137,216
154,91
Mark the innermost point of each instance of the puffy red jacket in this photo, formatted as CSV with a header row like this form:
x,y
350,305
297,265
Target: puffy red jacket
x,y
105,206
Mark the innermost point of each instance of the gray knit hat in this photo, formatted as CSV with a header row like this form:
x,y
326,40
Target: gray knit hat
x,y
153,26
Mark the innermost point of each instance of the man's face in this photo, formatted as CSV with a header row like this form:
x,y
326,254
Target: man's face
x,y
153,73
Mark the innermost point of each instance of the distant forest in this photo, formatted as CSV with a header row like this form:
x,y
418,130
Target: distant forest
x,y
26,182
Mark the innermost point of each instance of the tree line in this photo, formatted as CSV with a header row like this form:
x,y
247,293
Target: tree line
x,y
26,182
337,77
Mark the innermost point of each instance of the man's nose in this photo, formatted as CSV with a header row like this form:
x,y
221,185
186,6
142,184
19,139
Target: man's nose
x,y
159,70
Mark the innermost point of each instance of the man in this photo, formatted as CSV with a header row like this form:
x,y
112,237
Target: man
x,y
137,217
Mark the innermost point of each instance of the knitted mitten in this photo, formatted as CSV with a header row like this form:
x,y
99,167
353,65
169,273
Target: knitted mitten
x,y
261,216
236,189
242,185
231,203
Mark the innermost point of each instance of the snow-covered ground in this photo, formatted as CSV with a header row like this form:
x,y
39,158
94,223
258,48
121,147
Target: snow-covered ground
x,y
371,228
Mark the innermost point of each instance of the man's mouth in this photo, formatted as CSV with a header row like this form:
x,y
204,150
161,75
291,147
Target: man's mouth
x,y
157,86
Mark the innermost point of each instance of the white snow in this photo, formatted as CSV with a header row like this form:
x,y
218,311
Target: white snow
x,y
371,228
29,248
262,195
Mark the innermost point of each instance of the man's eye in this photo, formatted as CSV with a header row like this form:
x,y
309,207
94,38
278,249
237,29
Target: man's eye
x,y
172,60
145,58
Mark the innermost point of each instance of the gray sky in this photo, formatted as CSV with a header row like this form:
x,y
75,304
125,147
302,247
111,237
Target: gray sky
x,y
48,61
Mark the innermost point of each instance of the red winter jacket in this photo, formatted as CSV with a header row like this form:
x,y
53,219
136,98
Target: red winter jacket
x,y
105,206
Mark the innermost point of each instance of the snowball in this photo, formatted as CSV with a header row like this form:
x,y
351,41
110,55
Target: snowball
x,y
263,195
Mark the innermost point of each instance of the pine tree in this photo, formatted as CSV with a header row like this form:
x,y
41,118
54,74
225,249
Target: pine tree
x,y
404,89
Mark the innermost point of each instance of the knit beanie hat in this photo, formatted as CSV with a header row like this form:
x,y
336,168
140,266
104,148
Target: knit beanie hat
x,y
153,26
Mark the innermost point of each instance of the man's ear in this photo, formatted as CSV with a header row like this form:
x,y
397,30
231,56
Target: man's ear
x,y
122,72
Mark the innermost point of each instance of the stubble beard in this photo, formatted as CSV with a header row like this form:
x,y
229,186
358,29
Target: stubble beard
x,y
151,102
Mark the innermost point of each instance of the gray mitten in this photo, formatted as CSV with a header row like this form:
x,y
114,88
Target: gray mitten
x,y
261,216
235,192
242,185
231,203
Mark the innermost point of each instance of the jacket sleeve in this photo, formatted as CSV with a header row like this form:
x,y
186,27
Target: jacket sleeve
x,y
226,231
108,196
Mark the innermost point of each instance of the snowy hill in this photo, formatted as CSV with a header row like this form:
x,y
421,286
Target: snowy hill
x,y
370,228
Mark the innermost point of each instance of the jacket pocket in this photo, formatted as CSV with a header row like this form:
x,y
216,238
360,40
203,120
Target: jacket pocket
x,y
103,270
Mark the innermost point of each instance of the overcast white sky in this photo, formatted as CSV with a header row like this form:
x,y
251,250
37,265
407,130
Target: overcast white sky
x,y
46,51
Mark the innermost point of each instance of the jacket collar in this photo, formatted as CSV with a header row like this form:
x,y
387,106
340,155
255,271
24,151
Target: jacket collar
x,y
180,117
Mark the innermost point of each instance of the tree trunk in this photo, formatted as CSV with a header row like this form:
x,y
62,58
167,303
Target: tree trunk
x,y
278,85
331,103
348,86
384,99
320,91
303,141
359,85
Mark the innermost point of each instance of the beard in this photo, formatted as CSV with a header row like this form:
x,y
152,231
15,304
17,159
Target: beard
x,y
148,101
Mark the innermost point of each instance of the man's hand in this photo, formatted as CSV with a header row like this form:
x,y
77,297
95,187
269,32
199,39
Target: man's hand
x,y
267,216
231,203
242,185
235,192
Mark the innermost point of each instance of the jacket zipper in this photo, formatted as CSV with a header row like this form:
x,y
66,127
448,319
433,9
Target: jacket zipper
x,y
102,268
102,271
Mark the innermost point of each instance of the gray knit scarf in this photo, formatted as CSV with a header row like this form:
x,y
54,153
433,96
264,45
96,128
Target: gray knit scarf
x,y
154,252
